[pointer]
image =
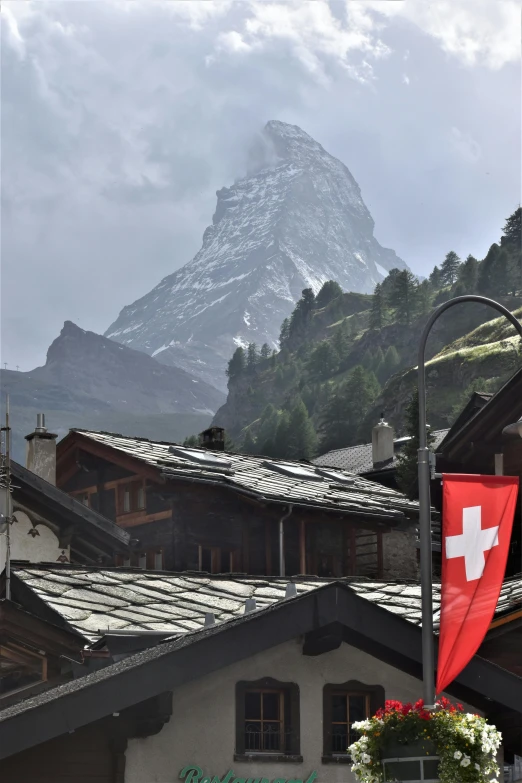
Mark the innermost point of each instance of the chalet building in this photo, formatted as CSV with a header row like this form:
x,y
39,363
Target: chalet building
x,y
202,509
376,461
265,684
48,526
487,438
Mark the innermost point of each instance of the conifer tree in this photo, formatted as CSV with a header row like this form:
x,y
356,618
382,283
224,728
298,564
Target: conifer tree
x,y
450,268
513,229
486,270
404,297
285,333
468,272
435,278
407,464
390,364
330,291
281,435
341,342
424,297
302,440
377,311
377,360
191,442
252,357
323,361
265,351
345,409
249,443
236,364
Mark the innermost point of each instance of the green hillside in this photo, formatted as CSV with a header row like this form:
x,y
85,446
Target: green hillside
x,y
346,357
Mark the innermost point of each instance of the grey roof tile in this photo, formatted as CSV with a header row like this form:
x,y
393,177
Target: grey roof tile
x,y
250,473
160,601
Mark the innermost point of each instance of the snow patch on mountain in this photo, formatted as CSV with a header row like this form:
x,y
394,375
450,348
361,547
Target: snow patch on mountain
x,y
294,221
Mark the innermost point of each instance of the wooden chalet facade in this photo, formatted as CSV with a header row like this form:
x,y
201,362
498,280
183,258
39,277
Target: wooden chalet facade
x,y
204,510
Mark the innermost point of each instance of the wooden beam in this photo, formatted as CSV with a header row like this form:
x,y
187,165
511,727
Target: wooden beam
x,y
268,548
139,518
380,563
245,546
353,559
117,457
302,547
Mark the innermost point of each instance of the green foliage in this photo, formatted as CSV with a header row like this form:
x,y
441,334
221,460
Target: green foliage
x,y
265,352
191,442
377,314
249,443
301,438
345,409
236,364
407,470
404,297
330,291
285,333
468,274
323,361
450,268
466,744
252,357
485,276
389,365
513,229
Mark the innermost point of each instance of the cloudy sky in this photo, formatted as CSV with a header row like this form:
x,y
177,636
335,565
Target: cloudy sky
x,y
121,119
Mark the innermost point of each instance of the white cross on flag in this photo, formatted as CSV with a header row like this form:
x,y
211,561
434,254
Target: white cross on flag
x,y
478,516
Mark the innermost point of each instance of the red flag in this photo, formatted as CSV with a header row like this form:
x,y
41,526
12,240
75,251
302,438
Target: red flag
x,y
478,516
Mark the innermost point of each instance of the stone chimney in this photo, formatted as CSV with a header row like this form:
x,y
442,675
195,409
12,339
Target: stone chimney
x,y
213,439
382,443
41,451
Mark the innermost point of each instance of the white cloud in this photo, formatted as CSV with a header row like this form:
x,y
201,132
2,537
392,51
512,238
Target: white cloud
x,y
477,32
120,119
405,78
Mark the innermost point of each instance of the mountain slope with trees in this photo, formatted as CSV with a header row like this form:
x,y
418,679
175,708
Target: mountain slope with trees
x,y
346,357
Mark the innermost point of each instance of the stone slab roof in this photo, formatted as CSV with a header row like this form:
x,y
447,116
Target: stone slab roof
x,y
94,600
358,459
271,480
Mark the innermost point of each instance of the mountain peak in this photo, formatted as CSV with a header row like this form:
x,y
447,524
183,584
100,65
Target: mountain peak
x,y
290,141
296,220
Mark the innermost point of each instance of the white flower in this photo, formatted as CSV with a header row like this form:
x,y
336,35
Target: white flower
x,y
477,767
457,754
365,758
465,762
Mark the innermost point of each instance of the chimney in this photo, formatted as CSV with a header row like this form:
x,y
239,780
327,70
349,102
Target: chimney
x,y
213,439
41,451
382,443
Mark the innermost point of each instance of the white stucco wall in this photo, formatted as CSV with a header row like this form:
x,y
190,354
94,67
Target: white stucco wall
x,y
43,547
202,728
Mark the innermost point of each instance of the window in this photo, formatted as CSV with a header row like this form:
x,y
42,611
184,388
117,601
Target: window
x,y
294,469
215,560
131,497
267,721
151,559
200,457
342,706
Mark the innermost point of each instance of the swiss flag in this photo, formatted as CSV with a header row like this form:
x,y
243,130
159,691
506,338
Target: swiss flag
x,y
478,516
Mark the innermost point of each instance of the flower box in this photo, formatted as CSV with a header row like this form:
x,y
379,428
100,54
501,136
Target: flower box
x,y
405,743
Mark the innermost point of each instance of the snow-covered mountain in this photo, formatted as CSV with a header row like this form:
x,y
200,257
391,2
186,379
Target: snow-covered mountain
x,y
296,220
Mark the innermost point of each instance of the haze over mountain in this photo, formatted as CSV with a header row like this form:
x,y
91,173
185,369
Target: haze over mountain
x,y
294,221
90,381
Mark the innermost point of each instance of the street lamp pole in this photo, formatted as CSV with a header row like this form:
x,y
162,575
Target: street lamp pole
x,y
428,647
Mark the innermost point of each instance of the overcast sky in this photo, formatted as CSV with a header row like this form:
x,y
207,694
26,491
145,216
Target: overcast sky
x,y
120,120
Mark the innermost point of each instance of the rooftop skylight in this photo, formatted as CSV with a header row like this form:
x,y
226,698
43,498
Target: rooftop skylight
x,y
200,457
333,475
295,470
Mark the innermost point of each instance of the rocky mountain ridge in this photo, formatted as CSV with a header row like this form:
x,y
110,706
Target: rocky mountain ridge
x,y
91,381
296,220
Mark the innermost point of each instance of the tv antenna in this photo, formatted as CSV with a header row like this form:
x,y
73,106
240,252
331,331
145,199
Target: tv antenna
x,y
6,488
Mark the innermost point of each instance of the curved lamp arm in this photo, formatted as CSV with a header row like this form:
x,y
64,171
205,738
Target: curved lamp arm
x,y
428,655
